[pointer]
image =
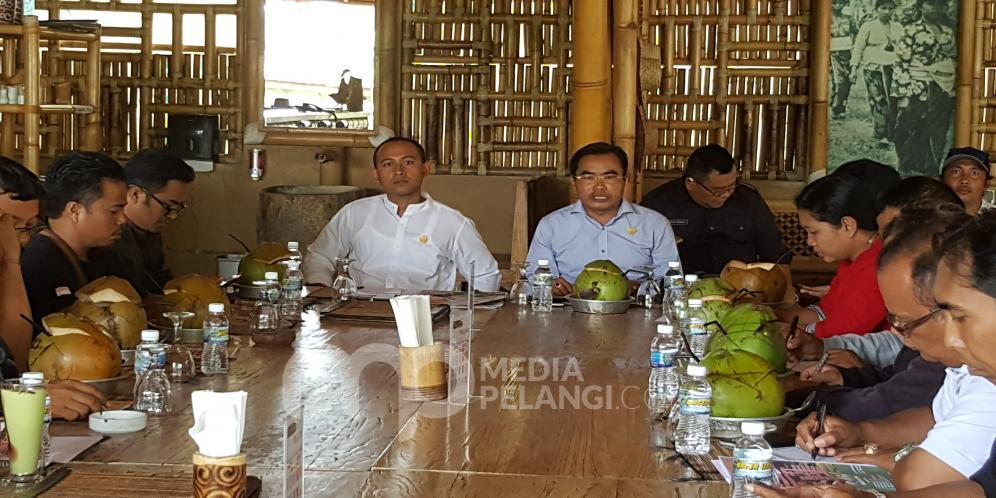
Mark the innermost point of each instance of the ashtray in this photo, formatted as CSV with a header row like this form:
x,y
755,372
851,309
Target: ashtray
x,y
118,421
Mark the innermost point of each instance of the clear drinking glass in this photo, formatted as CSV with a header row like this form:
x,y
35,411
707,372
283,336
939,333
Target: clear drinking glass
x,y
648,295
521,290
180,366
24,414
177,318
344,286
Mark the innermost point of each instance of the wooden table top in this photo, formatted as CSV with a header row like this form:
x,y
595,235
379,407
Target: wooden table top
x,y
581,429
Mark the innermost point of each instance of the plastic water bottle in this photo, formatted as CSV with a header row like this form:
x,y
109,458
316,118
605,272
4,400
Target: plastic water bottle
x,y
294,252
697,334
543,287
673,272
751,460
663,383
695,406
149,354
290,291
215,356
679,293
45,457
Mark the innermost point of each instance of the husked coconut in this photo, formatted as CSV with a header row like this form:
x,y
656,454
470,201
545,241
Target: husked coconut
x,y
124,320
766,281
75,349
194,293
109,290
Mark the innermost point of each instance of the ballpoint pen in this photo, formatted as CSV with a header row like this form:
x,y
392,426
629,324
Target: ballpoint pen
x,y
820,420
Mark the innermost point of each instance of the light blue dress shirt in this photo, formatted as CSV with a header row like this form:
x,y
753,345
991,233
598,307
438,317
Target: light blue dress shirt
x,y
570,239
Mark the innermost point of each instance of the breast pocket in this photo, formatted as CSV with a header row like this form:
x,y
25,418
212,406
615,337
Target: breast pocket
x,y
738,228
427,258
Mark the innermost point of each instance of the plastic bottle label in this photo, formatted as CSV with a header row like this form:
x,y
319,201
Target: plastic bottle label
x,y
661,359
696,327
216,335
696,405
753,465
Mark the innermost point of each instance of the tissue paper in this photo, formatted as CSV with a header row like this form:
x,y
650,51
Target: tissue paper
x,y
413,315
219,422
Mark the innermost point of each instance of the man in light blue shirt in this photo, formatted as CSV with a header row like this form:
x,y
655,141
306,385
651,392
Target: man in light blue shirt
x,y
601,224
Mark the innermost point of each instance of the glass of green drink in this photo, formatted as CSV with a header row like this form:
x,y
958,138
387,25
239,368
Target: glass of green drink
x,y
24,413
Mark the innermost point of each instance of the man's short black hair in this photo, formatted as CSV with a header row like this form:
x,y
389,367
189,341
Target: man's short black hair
x,y
707,159
598,149
421,150
920,191
78,176
152,169
18,181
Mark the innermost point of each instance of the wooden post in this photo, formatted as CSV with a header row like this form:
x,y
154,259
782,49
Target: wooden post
x,y
967,70
252,96
591,118
624,88
819,84
92,129
32,88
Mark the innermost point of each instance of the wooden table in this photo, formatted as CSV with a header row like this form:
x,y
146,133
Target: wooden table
x,y
362,440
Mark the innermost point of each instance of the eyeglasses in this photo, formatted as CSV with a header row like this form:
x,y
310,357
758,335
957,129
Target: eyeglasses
x,y
590,178
170,210
718,192
905,329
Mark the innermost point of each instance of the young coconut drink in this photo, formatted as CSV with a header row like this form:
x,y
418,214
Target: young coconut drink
x,y
601,280
764,281
753,328
74,348
743,385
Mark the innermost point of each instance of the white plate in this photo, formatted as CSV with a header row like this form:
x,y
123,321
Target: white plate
x,y
118,421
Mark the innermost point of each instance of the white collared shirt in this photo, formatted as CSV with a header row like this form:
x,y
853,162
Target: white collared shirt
x,y
422,249
964,421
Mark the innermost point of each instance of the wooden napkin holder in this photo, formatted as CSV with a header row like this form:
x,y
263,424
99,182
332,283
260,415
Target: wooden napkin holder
x,y
219,477
423,373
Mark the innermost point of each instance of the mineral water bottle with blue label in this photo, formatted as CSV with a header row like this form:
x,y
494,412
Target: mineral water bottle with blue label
x,y
214,359
149,353
543,287
290,291
696,331
751,460
663,385
673,272
695,406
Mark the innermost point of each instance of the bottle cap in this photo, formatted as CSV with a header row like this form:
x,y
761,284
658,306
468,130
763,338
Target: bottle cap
x,y
292,246
32,376
752,428
271,275
696,370
216,308
695,303
543,262
691,278
150,335
674,264
665,329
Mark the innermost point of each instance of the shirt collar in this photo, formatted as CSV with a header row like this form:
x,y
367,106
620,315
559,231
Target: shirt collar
x,y
393,208
625,208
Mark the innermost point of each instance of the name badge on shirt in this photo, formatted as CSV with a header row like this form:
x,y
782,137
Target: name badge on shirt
x,y
62,291
679,222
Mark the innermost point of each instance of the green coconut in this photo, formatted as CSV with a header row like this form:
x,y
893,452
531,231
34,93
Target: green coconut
x,y
714,288
744,385
266,257
714,309
747,317
751,327
602,280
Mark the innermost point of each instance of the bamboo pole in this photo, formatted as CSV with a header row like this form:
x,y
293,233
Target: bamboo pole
x,y
92,128
819,65
387,63
252,74
8,142
968,67
592,119
145,116
625,44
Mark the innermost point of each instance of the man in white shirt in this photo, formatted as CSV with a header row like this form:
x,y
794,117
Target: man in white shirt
x,y
402,239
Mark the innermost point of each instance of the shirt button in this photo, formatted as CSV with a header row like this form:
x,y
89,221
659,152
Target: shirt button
x,y
603,250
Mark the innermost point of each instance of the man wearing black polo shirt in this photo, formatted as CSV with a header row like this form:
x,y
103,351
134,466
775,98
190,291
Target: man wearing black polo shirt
x,y
158,187
715,217
84,202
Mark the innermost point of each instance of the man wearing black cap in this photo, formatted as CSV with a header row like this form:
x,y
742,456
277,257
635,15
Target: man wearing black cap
x,y
715,217
966,171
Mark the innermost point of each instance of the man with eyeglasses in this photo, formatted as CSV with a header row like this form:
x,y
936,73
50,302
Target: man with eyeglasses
x,y
403,239
159,184
715,217
966,171
601,224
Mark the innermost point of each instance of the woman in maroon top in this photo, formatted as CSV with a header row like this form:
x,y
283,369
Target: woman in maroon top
x,y
838,213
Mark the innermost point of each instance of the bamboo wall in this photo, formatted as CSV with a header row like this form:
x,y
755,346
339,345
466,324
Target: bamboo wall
x,y
142,83
980,99
485,83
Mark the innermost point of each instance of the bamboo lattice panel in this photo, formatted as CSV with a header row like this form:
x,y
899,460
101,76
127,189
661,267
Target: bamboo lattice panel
x,y
485,83
734,73
984,79
143,83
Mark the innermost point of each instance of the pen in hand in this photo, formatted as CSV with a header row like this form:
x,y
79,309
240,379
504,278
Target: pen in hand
x,y
821,425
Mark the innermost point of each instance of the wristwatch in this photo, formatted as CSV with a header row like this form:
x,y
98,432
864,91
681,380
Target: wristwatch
x,y
905,450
